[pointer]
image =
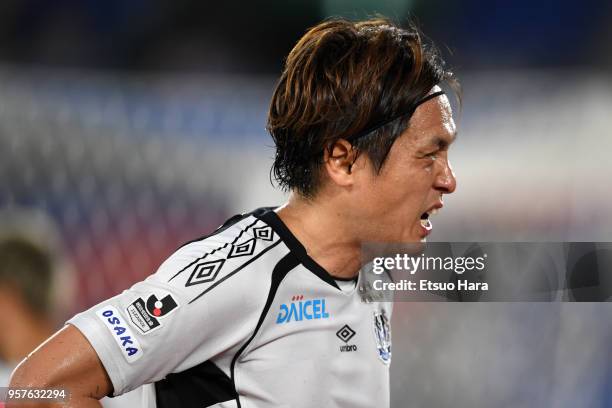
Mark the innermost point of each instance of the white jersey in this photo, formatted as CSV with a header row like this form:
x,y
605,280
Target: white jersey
x,y
244,318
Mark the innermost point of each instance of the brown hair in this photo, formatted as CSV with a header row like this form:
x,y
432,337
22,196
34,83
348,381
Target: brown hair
x,y
28,269
341,78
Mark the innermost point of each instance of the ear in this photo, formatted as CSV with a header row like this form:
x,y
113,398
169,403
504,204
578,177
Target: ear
x,y
338,160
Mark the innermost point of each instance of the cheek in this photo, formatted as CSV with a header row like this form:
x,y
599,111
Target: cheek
x,y
411,182
412,194
399,190
402,195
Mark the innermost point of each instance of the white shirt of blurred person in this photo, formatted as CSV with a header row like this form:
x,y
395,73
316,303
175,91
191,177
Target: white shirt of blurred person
x,y
362,132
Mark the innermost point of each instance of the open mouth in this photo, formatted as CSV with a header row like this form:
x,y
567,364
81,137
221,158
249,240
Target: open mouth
x,y
426,222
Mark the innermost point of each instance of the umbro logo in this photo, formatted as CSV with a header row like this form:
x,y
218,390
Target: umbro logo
x,y
244,249
345,334
264,233
205,272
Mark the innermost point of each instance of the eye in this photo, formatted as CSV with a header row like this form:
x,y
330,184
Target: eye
x,y
432,155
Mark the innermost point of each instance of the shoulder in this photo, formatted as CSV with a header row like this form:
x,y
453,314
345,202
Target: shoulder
x,y
237,255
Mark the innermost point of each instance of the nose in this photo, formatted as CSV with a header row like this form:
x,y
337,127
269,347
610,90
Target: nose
x,y
445,181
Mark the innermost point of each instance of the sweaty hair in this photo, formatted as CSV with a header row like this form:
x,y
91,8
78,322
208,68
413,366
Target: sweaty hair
x,y
28,270
340,79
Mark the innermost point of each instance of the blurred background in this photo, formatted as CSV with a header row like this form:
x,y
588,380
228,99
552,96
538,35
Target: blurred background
x,y
130,127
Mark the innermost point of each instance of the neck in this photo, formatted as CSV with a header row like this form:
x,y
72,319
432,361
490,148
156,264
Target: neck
x,y
325,233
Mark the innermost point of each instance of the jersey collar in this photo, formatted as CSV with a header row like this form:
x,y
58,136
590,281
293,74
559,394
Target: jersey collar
x,y
269,216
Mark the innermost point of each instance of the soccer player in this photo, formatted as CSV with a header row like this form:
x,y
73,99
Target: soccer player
x,y
265,311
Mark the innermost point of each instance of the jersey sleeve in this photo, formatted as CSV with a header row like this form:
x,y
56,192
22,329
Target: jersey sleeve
x,y
201,302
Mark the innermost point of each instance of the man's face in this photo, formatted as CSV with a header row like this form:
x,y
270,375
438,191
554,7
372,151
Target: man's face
x,y
412,180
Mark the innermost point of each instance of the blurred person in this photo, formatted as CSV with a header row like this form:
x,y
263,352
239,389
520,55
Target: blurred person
x,y
36,287
26,273
265,311
31,269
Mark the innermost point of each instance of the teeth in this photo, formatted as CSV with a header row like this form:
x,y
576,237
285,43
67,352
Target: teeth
x,y
434,211
426,223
